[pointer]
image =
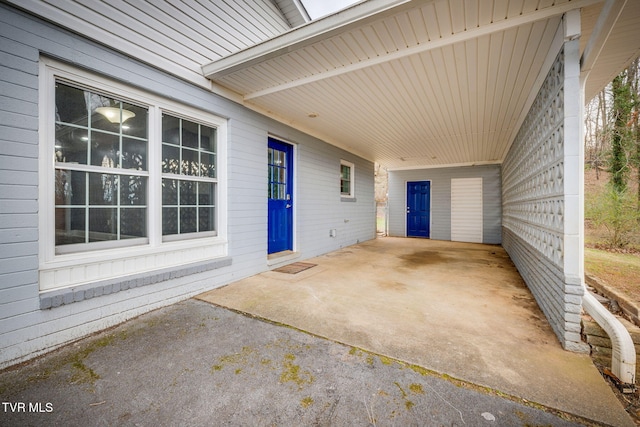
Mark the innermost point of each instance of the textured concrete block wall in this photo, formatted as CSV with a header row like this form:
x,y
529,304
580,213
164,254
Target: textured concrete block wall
x,y
560,302
536,205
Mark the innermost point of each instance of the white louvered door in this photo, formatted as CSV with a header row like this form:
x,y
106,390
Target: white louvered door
x,y
466,210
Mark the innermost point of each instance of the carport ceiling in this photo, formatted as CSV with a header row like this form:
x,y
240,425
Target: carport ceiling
x,y
409,83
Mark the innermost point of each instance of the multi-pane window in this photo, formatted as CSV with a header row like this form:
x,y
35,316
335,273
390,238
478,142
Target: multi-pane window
x,y
188,176
130,181
104,182
277,160
346,179
101,170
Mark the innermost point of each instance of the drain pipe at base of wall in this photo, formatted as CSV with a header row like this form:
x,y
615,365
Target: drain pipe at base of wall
x,y
623,358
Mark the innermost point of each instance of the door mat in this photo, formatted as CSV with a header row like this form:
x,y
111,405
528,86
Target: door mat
x,y
295,268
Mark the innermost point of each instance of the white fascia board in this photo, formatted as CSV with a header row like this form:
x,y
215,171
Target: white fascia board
x,y
301,36
302,10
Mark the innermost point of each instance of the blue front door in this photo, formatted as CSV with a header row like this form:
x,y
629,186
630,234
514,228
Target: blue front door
x,y
280,193
418,208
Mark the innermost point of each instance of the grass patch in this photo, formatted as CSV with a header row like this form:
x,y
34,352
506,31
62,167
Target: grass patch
x,y
83,374
618,270
80,372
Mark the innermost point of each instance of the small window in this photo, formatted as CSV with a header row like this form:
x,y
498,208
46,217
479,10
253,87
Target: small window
x,y
346,179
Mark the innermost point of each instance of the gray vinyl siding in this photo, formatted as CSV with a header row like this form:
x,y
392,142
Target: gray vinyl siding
x,y
164,35
441,199
27,330
353,221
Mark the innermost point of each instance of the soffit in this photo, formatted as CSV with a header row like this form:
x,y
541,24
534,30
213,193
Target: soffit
x,y
621,47
424,83
406,83
294,12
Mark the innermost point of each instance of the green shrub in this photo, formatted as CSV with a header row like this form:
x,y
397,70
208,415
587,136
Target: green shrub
x,y
617,212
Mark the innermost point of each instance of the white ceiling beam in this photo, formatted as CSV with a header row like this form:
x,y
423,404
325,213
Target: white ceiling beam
x,y
301,36
506,24
445,165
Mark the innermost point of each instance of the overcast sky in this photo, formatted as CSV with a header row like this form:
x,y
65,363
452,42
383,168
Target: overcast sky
x,y
319,8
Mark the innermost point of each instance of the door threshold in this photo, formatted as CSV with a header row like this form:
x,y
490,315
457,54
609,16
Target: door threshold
x,y
281,257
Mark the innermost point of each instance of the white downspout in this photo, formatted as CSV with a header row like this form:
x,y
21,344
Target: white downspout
x,y
623,358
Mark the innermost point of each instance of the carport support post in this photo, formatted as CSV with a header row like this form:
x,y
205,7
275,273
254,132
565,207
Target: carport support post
x,y
573,218
623,360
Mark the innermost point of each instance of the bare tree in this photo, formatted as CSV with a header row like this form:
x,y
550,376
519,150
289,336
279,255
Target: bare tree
x,y
597,130
634,77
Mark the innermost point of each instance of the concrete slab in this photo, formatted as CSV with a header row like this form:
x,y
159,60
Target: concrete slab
x,y
196,364
455,308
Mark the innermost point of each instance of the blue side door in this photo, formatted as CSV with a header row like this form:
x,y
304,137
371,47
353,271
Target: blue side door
x,y
418,208
280,194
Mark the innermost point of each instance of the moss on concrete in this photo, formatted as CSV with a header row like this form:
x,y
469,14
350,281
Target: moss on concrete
x,y
306,402
292,373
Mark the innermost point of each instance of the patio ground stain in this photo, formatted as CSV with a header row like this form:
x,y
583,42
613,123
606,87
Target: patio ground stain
x,y
420,258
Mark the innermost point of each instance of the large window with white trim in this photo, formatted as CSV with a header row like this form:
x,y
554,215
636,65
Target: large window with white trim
x,y
134,176
101,174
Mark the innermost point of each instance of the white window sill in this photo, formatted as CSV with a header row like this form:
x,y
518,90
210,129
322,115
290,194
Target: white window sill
x,y
69,295
82,268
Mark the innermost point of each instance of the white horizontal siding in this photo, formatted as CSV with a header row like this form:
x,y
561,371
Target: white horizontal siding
x,y
178,36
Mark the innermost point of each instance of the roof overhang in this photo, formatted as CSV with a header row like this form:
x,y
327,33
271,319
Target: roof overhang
x,y
300,37
420,83
611,45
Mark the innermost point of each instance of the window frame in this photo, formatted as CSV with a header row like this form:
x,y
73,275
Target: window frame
x,y
351,194
153,253
180,177
94,169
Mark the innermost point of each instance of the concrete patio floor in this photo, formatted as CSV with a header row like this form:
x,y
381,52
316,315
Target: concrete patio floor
x,y
455,308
